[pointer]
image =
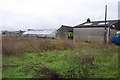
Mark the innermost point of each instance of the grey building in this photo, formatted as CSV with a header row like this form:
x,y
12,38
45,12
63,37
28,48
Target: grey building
x,y
64,32
94,30
5,32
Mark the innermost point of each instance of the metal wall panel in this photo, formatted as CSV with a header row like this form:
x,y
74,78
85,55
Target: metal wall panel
x,y
89,34
112,33
62,33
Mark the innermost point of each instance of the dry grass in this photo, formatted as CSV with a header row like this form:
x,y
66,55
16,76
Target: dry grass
x,y
20,44
16,45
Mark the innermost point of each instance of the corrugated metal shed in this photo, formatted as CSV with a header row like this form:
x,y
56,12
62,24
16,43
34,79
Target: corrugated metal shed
x,y
63,31
94,30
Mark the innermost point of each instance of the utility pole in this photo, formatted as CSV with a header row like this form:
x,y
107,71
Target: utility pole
x,y
105,31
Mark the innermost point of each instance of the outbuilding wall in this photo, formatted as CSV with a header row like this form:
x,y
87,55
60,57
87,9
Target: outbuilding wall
x,y
62,33
112,33
91,34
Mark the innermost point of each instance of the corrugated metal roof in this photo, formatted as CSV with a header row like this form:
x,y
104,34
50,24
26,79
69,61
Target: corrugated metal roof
x,y
97,23
69,28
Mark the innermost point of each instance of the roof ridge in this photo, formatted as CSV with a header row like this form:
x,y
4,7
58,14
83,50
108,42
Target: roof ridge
x,y
104,20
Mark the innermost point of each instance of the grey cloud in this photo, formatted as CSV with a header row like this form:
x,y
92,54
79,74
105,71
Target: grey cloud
x,y
55,14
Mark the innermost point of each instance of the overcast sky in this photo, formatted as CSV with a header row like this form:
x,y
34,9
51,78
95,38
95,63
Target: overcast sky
x,y
51,14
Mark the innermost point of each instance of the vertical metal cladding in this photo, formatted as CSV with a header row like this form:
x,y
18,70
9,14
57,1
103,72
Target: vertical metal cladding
x,y
91,34
63,32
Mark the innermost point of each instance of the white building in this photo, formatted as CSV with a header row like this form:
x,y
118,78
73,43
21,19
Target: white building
x,y
50,33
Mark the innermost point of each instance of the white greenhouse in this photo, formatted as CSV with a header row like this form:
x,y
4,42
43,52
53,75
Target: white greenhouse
x,y
50,33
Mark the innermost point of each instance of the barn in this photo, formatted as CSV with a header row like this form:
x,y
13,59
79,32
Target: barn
x,y
65,32
94,30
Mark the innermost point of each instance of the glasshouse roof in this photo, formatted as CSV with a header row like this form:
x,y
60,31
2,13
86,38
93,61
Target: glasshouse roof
x,y
42,31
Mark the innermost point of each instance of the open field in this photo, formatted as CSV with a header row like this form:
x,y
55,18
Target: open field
x,y
28,57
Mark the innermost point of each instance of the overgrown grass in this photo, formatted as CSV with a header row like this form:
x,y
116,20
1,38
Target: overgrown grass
x,y
85,62
20,44
31,57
